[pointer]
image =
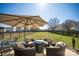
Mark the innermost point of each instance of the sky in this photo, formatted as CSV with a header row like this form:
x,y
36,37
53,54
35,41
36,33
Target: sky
x,y
62,11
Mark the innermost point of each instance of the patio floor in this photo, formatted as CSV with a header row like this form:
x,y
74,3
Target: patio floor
x,y
70,53
67,53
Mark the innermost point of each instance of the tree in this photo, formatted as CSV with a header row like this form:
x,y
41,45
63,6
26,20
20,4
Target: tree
x,y
78,25
53,23
70,25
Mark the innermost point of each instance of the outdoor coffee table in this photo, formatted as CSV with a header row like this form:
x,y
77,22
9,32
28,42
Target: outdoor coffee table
x,y
39,45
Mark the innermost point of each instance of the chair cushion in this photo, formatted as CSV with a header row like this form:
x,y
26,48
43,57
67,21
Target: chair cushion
x,y
60,44
20,45
51,46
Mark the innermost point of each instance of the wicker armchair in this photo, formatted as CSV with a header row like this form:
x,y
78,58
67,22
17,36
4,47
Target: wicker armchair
x,y
55,51
4,46
24,51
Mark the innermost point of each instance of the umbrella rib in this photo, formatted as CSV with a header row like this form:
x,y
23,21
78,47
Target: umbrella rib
x,y
14,20
18,22
33,23
26,22
29,24
40,20
34,20
37,22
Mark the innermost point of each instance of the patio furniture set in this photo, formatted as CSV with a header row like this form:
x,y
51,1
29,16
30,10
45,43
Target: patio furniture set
x,y
30,48
6,45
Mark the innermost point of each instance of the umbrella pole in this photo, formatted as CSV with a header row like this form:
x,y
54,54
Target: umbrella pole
x,y
10,35
24,34
19,34
3,34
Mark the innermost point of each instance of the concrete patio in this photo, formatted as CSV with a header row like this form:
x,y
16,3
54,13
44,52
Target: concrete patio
x,y
70,53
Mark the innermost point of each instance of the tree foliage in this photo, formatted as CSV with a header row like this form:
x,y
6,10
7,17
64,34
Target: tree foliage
x,y
70,25
53,23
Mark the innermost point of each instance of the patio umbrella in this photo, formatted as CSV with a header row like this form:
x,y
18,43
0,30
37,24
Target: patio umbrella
x,y
22,21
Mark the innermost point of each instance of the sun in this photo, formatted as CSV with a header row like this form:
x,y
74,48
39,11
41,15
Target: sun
x,y
41,4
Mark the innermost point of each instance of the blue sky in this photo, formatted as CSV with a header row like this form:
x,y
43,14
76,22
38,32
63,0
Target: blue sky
x,y
62,11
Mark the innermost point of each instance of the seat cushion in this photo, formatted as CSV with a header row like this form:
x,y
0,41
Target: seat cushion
x,y
60,44
20,45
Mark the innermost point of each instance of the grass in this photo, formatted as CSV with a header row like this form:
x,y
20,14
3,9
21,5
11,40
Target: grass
x,y
55,37
42,35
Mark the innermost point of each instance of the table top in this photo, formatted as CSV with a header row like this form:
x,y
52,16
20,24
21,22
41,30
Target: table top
x,y
38,42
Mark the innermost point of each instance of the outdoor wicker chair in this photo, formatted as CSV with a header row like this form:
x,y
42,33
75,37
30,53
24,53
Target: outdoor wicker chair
x,y
55,51
12,42
4,46
22,51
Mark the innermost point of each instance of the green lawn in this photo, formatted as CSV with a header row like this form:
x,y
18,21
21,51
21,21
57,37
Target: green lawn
x,y
42,35
55,37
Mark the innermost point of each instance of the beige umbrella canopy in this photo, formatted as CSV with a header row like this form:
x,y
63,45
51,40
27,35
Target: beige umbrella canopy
x,y
22,21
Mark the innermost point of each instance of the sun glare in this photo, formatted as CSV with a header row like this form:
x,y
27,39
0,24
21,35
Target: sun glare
x,y
41,4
